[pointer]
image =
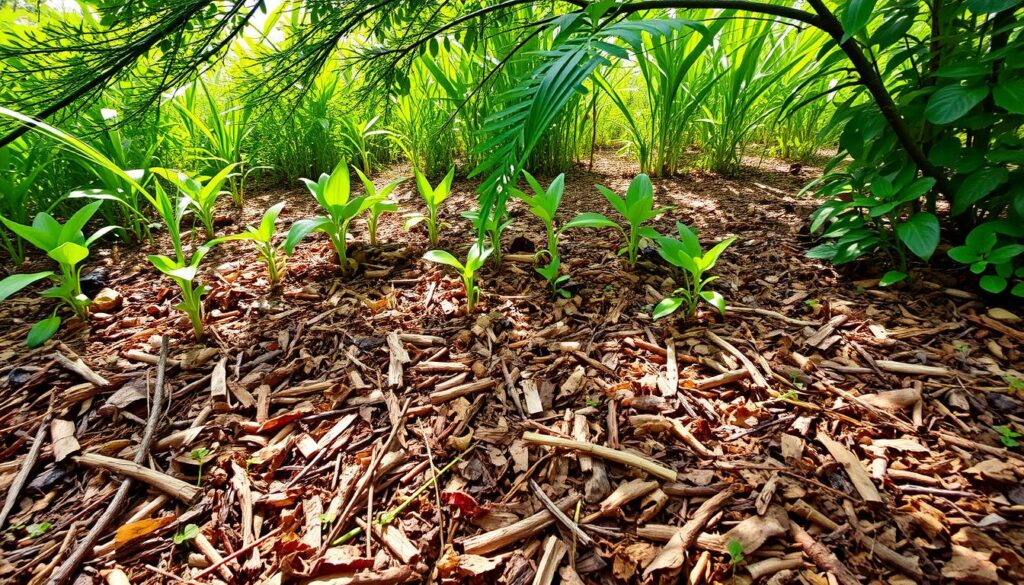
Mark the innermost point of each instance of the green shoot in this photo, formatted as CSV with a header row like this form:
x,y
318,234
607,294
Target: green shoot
x,y
1013,383
735,550
637,208
1007,436
333,194
185,534
685,252
199,455
39,529
381,205
433,197
68,247
201,192
474,260
263,239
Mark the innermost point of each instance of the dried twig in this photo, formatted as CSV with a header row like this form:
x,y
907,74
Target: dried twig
x,y
116,506
613,455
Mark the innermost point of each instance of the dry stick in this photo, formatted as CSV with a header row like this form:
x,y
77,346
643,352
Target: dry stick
x,y
612,455
70,566
671,557
241,551
370,472
582,537
755,374
26,467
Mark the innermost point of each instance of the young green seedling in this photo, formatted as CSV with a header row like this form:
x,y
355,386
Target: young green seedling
x,y
333,193
181,268
202,192
494,227
735,550
185,534
382,205
199,455
68,247
433,197
1007,436
263,239
474,260
637,208
685,252
38,529
544,205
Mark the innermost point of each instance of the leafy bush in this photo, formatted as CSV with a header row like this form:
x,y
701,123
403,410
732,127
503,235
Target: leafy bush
x,y
685,252
263,240
950,133
433,197
333,193
68,247
474,261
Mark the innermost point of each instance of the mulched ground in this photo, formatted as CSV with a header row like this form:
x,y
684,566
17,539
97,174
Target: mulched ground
x,y
825,430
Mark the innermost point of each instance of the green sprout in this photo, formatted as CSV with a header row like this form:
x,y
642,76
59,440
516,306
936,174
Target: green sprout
x,y
199,455
38,529
1013,383
185,534
735,550
1007,436
592,401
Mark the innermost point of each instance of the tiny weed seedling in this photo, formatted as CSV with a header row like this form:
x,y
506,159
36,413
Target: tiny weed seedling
x,y
1007,436
735,550
813,304
326,520
1013,383
186,534
474,260
592,401
199,455
250,462
38,529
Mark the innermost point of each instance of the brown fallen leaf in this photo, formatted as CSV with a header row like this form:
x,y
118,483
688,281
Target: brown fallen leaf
x,y
140,528
970,566
994,470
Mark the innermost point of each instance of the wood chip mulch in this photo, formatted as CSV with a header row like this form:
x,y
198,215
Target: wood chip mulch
x,y
825,430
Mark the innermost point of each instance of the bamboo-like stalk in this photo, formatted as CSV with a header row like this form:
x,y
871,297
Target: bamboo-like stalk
x,y
613,455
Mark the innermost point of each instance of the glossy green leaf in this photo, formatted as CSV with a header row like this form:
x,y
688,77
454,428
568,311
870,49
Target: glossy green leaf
x,y
666,307
443,257
16,282
855,16
951,102
42,331
920,233
892,277
1009,95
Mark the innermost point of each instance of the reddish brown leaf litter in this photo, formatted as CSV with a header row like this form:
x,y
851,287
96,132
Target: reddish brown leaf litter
x,y
825,430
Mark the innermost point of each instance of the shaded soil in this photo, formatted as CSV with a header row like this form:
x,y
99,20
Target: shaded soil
x,y
801,457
